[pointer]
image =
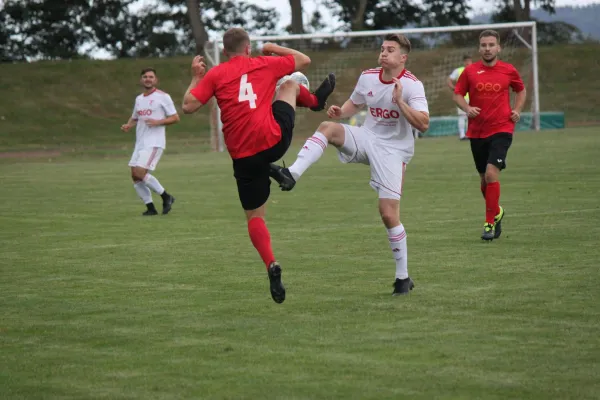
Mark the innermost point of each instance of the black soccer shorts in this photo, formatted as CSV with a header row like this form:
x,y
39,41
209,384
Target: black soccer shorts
x,y
491,150
252,173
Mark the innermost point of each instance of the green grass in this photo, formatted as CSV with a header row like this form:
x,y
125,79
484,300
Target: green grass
x,y
100,303
80,105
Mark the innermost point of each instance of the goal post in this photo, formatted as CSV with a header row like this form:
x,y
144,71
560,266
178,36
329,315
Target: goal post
x,y
436,51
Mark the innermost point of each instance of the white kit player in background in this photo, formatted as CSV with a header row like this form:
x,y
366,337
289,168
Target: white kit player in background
x,y
395,101
452,79
153,110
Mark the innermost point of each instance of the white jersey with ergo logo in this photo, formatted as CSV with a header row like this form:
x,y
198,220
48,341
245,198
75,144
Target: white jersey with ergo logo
x,y
155,105
384,119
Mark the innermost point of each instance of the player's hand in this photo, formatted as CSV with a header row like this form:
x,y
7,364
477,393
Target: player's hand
x,y
334,112
515,116
125,127
198,67
397,92
472,112
153,122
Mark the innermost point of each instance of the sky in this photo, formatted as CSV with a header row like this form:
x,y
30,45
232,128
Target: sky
x,y
479,7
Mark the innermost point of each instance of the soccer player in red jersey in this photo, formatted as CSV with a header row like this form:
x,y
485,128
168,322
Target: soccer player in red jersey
x,y
257,122
491,121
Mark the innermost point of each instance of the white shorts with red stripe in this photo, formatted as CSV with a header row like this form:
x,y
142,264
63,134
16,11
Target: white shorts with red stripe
x,y
146,158
387,165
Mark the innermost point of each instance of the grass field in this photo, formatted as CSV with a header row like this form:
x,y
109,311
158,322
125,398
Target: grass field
x,y
100,303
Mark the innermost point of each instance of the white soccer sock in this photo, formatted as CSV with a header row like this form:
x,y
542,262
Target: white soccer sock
x,y
153,184
462,125
397,238
309,154
143,191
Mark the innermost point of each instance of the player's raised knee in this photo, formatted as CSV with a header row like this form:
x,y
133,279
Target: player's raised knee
x,y
331,130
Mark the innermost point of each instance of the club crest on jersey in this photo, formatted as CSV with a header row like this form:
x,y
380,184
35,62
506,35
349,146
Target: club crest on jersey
x,y
151,101
370,94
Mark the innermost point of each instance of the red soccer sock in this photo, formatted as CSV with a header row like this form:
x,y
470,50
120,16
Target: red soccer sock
x,y
483,187
261,239
306,98
492,198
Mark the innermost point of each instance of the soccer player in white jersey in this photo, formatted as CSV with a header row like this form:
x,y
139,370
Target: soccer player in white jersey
x,y
395,100
153,111
452,79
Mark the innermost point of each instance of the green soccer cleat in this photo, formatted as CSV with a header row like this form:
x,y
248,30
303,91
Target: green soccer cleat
x,y
498,223
488,232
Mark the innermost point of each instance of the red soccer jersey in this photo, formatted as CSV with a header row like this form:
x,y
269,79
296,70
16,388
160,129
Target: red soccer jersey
x,y
244,88
488,89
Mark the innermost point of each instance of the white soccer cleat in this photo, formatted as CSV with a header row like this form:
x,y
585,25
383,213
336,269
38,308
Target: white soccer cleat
x,y
298,77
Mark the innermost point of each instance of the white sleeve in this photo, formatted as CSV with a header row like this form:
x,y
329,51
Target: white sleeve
x,y
134,113
168,106
417,99
358,95
454,75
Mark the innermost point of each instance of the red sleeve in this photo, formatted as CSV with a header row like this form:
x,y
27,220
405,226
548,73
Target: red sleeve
x,y
516,83
205,89
281,66
462,85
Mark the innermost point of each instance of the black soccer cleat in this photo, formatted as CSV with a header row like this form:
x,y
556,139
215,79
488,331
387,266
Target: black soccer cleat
x,y
323,91
403,286
167,204
277,288
488,233
498,223
149,212
283,176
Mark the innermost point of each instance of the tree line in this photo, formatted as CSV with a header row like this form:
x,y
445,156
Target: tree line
x,y
68,29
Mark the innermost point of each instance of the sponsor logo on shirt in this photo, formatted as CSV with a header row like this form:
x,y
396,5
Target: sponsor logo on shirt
x,y
384,113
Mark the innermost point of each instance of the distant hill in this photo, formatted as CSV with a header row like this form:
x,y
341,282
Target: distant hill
x,y
586,18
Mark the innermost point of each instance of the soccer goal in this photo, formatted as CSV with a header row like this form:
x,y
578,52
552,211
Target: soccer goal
x,y
436,52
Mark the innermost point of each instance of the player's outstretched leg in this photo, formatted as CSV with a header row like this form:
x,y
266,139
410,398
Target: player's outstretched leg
x,y
304,98
323,91
310,153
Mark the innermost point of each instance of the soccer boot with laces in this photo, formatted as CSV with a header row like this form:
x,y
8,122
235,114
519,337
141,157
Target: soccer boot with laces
x,y
498,223
276,286
283,176
403,286
323,91
488,232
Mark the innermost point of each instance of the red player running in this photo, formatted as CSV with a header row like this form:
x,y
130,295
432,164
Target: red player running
x,y
257,129
491,121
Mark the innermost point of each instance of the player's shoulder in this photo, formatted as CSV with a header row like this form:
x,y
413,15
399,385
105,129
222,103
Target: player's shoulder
x,y
476,66
506,66
409,76
371,71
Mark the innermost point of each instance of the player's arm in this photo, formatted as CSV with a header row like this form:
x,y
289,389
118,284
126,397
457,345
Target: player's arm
x,y
460,90
170,112
191,102
450,83
417,118
302,61
347,110
517,86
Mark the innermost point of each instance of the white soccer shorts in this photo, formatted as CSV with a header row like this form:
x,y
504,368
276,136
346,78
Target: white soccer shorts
x,y
146,158
387,168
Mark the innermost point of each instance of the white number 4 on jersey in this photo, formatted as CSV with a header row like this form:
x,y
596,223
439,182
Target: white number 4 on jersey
x,y
246,92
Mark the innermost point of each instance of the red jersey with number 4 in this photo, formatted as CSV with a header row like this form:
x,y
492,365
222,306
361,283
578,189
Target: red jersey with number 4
x,y
488,89
244,88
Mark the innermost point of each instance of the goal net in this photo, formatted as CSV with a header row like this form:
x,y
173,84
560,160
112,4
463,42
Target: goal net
x,y
436,52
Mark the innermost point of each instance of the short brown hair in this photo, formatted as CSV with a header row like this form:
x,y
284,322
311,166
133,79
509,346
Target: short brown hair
x,y
400,39
490,33
234,38
148,70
